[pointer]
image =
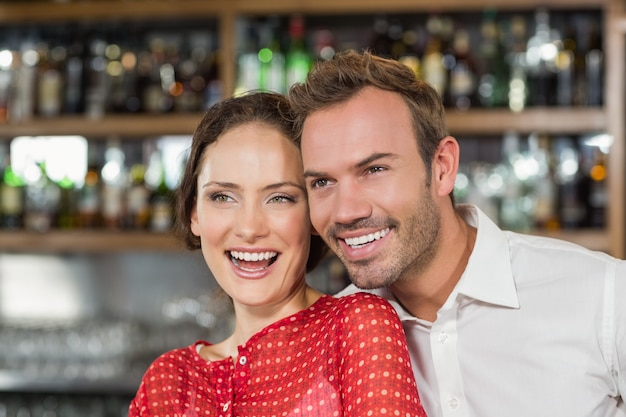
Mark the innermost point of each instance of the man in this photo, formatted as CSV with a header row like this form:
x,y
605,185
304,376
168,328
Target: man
x,y
498,323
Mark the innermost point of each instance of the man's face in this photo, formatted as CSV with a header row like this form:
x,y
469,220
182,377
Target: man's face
x,y
367,188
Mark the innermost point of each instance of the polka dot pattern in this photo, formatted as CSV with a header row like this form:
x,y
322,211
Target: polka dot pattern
x,y
340,357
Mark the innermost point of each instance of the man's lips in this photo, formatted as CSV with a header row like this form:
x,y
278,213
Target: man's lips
x,y
360,241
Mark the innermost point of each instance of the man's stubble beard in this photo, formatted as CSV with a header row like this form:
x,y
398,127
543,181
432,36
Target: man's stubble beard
x,y
416,241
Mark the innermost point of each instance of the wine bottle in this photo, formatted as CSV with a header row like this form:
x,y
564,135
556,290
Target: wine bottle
x,y
298,59
11,193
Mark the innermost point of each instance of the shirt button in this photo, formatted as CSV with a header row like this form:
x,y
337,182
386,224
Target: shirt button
x,y
225,407
453,403
443,337
243,360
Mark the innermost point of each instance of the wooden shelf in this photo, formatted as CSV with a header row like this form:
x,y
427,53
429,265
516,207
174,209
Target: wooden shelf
x,y
85,241
96,10
483,121
126,126
396,6
21,12
546,120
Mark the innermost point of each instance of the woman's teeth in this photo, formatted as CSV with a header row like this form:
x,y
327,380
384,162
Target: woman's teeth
x,y
253,261
357,242
252,256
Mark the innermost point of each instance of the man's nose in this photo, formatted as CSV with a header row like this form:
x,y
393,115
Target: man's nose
x,y
351,204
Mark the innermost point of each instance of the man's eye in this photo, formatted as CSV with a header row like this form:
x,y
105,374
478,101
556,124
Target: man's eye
x,y
319,183
374,170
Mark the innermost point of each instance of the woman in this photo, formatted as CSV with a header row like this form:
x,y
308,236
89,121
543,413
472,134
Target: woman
x,y
293,351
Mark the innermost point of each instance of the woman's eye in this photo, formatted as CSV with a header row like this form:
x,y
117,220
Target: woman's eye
x,y
282,199
220,198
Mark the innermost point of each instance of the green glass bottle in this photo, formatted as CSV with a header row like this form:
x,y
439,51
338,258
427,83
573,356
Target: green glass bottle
x,y
298,59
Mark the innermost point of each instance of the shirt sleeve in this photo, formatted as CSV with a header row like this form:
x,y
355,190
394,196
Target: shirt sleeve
x,y
138,406
377,378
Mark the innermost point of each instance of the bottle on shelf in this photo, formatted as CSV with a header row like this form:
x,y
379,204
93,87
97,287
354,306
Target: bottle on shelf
x,y
42,198
137,199
463,73
298,59
594,65
161,195
434,71
567,178
52,56
493,84
248,64
381,42
594,185
97,84
545,191
7,70
11,193
114,182
89,195
272,75
67,217
543,48
23,93
74,78
516,57
512,215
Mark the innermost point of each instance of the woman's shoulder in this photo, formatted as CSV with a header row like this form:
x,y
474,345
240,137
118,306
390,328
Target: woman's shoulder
x,y
362,303
178,358
361,298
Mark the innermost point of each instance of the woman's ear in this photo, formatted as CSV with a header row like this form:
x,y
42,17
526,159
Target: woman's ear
x,y
193,217
446,166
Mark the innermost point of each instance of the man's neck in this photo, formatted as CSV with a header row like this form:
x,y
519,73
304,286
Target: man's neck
x,y
424,294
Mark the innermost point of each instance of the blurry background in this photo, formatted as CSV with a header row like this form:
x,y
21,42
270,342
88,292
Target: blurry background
x,y
97,103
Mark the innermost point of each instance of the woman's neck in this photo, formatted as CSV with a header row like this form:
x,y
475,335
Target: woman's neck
x,y
249,320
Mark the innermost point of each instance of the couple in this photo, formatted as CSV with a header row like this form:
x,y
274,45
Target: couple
x,y
497,323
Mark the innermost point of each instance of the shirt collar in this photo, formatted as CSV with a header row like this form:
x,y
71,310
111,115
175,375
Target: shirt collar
x,y
488,276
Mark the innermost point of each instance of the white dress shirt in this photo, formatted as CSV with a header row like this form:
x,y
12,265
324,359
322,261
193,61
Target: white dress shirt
x,y
535,327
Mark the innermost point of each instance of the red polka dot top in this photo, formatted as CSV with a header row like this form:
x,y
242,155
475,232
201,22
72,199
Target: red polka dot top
x,y
339,357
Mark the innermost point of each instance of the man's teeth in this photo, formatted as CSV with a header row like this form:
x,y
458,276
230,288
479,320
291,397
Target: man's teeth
x,y
356,242
254,256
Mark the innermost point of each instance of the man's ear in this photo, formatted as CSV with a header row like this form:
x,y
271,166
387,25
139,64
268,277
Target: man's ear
x,y
446,166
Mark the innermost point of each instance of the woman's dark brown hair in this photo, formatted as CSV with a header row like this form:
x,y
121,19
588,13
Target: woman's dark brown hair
x,y
264,107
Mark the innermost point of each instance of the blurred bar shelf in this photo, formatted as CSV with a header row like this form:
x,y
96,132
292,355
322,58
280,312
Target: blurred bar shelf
x,y
86,241
480,121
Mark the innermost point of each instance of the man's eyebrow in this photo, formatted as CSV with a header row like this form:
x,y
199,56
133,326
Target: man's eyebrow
x,y
309,173
372,158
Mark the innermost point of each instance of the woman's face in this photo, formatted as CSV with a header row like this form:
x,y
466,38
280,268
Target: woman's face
x,y
252,216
